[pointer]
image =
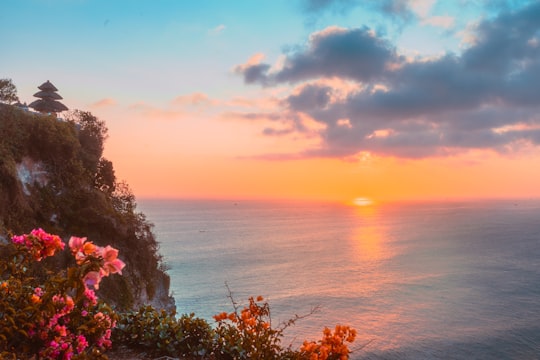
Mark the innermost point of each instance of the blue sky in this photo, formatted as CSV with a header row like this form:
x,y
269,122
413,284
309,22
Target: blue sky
x,y
379,87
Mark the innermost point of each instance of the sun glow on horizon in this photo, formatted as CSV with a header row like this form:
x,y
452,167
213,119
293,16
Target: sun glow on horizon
x,y
363,201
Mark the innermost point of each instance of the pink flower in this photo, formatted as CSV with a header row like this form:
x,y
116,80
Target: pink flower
x,y
82,343
91,296
109,253
92,279
112,264
39,243
18,239
76,243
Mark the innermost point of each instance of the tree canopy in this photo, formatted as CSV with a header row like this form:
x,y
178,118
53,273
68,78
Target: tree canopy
x,y
8,91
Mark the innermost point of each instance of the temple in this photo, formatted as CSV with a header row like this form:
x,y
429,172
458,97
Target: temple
x,y
48,100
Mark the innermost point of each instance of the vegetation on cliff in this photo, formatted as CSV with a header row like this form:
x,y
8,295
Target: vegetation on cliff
x,y
53,176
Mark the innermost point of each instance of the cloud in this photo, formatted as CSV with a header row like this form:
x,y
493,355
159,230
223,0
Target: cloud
x,y
103,103
154,113
422,7
348,53
483,98
217,30
194,99
439,21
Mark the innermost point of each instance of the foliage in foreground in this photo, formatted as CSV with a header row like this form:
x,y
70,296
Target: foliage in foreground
x,y
53,175
163,334
51,314
245,333
46,314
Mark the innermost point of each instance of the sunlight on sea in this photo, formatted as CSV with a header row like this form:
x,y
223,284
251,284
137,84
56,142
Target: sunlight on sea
x,y
418,281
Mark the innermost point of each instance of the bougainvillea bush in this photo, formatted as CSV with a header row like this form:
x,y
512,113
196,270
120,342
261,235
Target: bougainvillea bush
x,y
247,333
50,314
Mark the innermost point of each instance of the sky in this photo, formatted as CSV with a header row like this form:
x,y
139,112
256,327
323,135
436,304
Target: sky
x,y
295,99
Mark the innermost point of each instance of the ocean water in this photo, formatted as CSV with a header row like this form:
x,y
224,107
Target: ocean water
x,y
446,280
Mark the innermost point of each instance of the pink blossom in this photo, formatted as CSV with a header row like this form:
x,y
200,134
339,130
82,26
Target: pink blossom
x,y
91,296
113,267
112,264
82,343
92,278
18,239
76,243
39,243
109,253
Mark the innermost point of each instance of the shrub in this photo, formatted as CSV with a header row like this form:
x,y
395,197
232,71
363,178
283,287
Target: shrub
x,y
51,314
248,334
161,333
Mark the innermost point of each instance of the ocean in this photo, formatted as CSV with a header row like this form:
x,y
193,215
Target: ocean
x,y
434,280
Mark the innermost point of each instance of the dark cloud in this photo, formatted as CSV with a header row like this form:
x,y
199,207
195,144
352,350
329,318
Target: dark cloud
x,y
356,54
311,97
255,73
487,97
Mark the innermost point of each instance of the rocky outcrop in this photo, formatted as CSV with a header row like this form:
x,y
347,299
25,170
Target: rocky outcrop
x,y
30,173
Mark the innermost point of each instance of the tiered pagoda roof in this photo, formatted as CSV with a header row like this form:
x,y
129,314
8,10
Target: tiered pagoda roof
x,y
47,99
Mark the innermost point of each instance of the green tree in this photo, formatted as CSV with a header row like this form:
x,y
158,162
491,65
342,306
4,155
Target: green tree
x,y
105,179
8,91
92,135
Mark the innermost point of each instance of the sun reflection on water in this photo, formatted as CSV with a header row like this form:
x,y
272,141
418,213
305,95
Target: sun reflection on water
x,y
372,251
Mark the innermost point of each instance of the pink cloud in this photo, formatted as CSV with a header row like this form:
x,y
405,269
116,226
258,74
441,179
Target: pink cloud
x,y
195,99
107,102
155,113
439,21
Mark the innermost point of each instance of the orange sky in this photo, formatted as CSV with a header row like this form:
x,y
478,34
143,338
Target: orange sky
x,y
322,100
224,165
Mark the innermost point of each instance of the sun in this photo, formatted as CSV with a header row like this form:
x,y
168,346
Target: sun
x,y
362,201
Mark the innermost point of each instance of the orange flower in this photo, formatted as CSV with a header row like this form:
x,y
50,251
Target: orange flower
x,y
89,248
260,298
220,317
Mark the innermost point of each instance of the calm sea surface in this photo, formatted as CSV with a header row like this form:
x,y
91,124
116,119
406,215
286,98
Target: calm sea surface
x,y
452,280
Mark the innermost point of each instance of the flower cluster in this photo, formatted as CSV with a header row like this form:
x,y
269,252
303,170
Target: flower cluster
x,y
39,243
85,251
247,333
332,345
251,318
55,315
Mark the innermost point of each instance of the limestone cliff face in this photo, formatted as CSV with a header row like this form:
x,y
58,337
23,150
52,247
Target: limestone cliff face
x,y
30,173
51,176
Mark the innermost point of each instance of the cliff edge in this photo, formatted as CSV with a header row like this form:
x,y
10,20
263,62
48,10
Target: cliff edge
x,y
53,176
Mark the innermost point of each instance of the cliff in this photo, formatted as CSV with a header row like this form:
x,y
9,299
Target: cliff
x,y
53,176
